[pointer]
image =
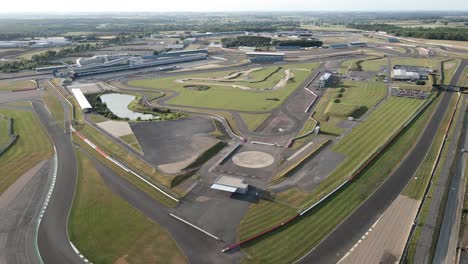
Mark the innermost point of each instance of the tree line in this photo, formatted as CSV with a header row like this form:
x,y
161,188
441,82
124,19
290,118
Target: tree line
x,y
45,58
442,33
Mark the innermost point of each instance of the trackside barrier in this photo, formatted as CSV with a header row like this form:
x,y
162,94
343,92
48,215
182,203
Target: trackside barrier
x,y
260,234
431,176
313,100
303,212
323,199
265,143
11,135
119,164
292,140
194,226
223,159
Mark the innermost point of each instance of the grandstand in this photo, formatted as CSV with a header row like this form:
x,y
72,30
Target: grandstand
x,y
265,56
112,63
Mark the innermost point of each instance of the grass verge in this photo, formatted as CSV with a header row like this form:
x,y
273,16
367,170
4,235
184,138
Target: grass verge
x,y
32,146
107,229
16,85
254,120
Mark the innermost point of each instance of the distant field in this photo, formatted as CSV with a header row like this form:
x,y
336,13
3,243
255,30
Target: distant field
x,y
327,27
16,85
223,97
107,229
290,243
254,120
32,146
29,55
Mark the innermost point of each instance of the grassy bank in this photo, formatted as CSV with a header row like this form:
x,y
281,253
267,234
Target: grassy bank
x,y
288,244
254,120
54,106
32,146
106,229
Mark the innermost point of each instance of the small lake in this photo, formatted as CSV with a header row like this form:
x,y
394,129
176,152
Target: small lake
x,y
118,104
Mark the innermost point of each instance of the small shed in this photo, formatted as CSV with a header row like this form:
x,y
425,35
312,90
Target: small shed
x,y
230,184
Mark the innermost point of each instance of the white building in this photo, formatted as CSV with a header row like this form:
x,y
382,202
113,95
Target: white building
x,y
230,184
82,101
403,75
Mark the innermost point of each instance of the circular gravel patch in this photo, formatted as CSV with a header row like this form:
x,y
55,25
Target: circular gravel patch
x,y
253,159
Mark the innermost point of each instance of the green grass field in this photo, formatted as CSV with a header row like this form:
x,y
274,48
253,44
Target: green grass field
x,y
222,97
374,65
449,68
464,78
4,135
357,98
16,85
32,146
253,120
366,138
131,140
107,229
55,107
290,243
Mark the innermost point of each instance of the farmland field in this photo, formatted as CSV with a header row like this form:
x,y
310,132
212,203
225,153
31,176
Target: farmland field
x,y
16,85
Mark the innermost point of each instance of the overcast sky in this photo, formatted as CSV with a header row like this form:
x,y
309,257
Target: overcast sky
x,y
228,5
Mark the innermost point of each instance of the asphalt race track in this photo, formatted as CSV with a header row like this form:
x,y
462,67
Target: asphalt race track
x,y
53,235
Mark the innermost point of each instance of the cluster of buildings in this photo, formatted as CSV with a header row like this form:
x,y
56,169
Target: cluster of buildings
x,y
112,63
410,73
35,43
348,45
257,56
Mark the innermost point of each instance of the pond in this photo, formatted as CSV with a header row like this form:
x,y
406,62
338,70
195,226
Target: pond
x,y
118,104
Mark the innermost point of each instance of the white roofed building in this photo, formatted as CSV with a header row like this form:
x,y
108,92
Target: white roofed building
x,y
82,101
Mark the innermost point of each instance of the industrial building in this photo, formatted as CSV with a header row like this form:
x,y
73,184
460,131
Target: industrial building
x,y
393,40
82,101
410,73
112,63
358,44
325,80
403,75
339,46
230,184
255,56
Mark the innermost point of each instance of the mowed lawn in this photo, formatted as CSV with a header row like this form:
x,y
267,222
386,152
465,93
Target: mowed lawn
x,y
366,138
16,85
230,98
4,135
290,243
357,98
106,229
32,146
254,120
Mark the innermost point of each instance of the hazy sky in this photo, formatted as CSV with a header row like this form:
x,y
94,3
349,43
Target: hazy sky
x,y
228,5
